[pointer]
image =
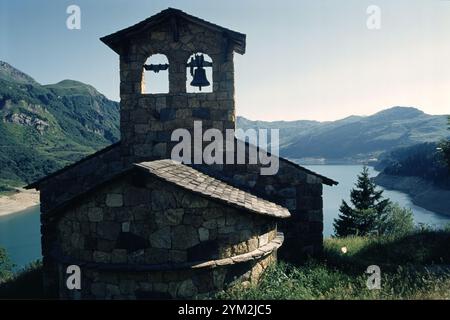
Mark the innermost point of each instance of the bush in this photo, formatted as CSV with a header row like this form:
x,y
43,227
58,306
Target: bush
x,y
5,266
396,222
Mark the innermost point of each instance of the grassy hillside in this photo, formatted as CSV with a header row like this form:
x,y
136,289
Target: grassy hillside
x,y
44,128
416,266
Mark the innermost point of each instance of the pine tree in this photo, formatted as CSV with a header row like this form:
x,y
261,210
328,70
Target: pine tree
x,y
368,211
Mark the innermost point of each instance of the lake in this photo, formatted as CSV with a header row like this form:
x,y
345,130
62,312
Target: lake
x,y
20,235
20,232
346,175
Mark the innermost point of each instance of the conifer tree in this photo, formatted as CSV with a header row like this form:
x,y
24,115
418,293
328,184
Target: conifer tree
x,y
368,211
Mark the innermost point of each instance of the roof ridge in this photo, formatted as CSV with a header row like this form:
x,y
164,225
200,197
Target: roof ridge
x,y
72,165
112,39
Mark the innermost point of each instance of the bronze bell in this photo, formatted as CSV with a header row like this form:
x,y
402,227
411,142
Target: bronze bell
x,y
197,70
199,79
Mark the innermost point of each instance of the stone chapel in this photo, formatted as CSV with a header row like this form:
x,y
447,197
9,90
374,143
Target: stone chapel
x,y
142,226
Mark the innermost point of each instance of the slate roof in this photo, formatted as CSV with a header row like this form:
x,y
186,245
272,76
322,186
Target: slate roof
x,y
202,184
115,40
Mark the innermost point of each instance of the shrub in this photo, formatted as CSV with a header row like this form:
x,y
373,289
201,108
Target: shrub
x,y
396,222
5,266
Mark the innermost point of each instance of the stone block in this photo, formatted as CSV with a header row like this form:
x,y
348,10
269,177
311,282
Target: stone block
x,y
187,289
98,290
252,244
108,230
159,149
125,226
127,286
177,256
210,224
263,239
203,234
114,200
167,114
160,103
119,256
105,245
112,291
169,217
162,200
101,257
184,237
201,113
161,239
160,287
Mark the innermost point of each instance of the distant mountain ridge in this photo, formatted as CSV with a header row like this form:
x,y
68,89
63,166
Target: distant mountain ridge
x,y
45,127
9,73
356,137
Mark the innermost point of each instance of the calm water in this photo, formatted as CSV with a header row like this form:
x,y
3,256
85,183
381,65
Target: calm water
x,y
20,232
346,176
20,235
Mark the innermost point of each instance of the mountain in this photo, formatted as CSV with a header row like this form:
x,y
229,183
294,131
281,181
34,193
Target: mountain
x,y
45,127
355,137
421,172
9,73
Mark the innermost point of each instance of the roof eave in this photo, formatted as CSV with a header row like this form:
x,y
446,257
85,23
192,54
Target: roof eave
x,y
113,40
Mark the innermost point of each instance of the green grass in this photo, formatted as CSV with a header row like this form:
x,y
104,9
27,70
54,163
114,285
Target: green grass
x,y
411,268
425,247
415,266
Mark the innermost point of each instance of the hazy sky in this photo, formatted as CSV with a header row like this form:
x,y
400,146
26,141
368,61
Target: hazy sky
x,y
306,59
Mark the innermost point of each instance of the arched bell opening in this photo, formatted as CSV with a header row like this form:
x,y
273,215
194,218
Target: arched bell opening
x,y
199,73
155,75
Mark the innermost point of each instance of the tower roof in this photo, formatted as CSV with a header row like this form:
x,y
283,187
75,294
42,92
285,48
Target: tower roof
x,y
116,40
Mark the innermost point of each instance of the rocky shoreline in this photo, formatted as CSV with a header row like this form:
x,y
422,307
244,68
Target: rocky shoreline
x,y
18,201
422,192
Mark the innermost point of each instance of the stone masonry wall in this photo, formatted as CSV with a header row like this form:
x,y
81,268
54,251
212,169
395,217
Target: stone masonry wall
x,y
292,187
136,221
147,120
176,284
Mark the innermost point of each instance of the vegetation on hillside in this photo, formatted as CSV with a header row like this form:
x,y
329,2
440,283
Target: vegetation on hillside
x,y
45,128
413,266
425,160
5,266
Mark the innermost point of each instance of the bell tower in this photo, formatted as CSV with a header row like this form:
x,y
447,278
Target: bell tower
x,y
200,74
